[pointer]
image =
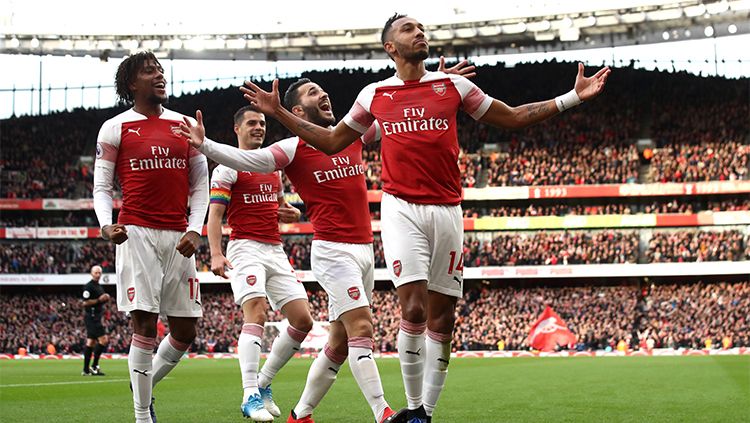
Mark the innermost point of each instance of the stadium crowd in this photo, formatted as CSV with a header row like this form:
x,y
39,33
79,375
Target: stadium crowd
x,y
489,317
64,256
480,249
551,248
695,315
707,161
593,144
692,246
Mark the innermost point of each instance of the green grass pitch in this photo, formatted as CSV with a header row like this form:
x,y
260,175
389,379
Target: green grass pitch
x,y
611,389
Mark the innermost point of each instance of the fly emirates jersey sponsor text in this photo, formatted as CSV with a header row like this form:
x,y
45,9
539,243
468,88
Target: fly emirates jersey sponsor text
x,y
252,201
152,162
419,144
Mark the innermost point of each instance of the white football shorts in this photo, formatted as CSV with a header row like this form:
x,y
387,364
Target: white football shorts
x,y
153,276
423,242
346,273
262,270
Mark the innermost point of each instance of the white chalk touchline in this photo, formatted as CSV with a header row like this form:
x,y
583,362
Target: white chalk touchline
x,y
81,382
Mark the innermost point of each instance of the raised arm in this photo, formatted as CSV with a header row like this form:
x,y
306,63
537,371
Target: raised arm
x,y
501,115
261,160
329,141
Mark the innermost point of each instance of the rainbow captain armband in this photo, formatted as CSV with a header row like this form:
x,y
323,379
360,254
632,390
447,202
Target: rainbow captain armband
x,y
567,100
220,196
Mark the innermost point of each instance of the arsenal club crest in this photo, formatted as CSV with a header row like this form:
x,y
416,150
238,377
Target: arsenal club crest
x,y
353,293
131,294
439,88
397,268
251,280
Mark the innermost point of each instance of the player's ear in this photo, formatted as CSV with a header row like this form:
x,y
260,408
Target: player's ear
x,y
236,129
298,110
389,48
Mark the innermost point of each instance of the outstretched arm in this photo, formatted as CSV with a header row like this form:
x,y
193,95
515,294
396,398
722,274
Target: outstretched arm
x,y
329,141
259,160
501,115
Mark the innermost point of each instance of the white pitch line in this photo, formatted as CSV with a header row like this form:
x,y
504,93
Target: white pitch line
x,y
21,385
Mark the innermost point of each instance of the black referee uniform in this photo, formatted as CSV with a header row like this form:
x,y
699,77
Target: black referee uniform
x,y
94,327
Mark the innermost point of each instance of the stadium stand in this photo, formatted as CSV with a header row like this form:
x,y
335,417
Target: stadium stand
x,y
674,315
593,144
533,197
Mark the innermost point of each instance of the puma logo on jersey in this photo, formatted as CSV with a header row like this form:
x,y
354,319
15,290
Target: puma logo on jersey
x,y
136,131
457,279
389,95
414,352
143,372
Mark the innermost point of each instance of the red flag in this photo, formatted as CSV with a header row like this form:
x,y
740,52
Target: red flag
x,y
549,331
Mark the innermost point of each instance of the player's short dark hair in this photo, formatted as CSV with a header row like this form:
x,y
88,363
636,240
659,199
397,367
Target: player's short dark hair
x,y
291,96
127,72
388,25
241,112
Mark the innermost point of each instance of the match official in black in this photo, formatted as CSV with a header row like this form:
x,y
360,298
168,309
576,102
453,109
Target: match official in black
x,y
96,338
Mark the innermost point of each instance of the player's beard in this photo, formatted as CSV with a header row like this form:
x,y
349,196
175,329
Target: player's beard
x,y
155,99
314,116
411,54
418,55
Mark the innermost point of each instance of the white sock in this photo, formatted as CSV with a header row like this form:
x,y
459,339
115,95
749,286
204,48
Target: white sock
x,y
320,378
438,354
140,367
167,356
283,348
365,372
411,354
249,351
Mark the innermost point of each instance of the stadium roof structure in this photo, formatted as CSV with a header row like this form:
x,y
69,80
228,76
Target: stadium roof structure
x,y
339,29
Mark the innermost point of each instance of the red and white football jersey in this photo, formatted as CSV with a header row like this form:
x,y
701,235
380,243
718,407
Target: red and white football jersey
x,y
252,201
153,163
419,144
333,189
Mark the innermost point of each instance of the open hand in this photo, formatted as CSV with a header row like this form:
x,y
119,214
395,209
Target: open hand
x,y
266,102
588,88
194,134
459,69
